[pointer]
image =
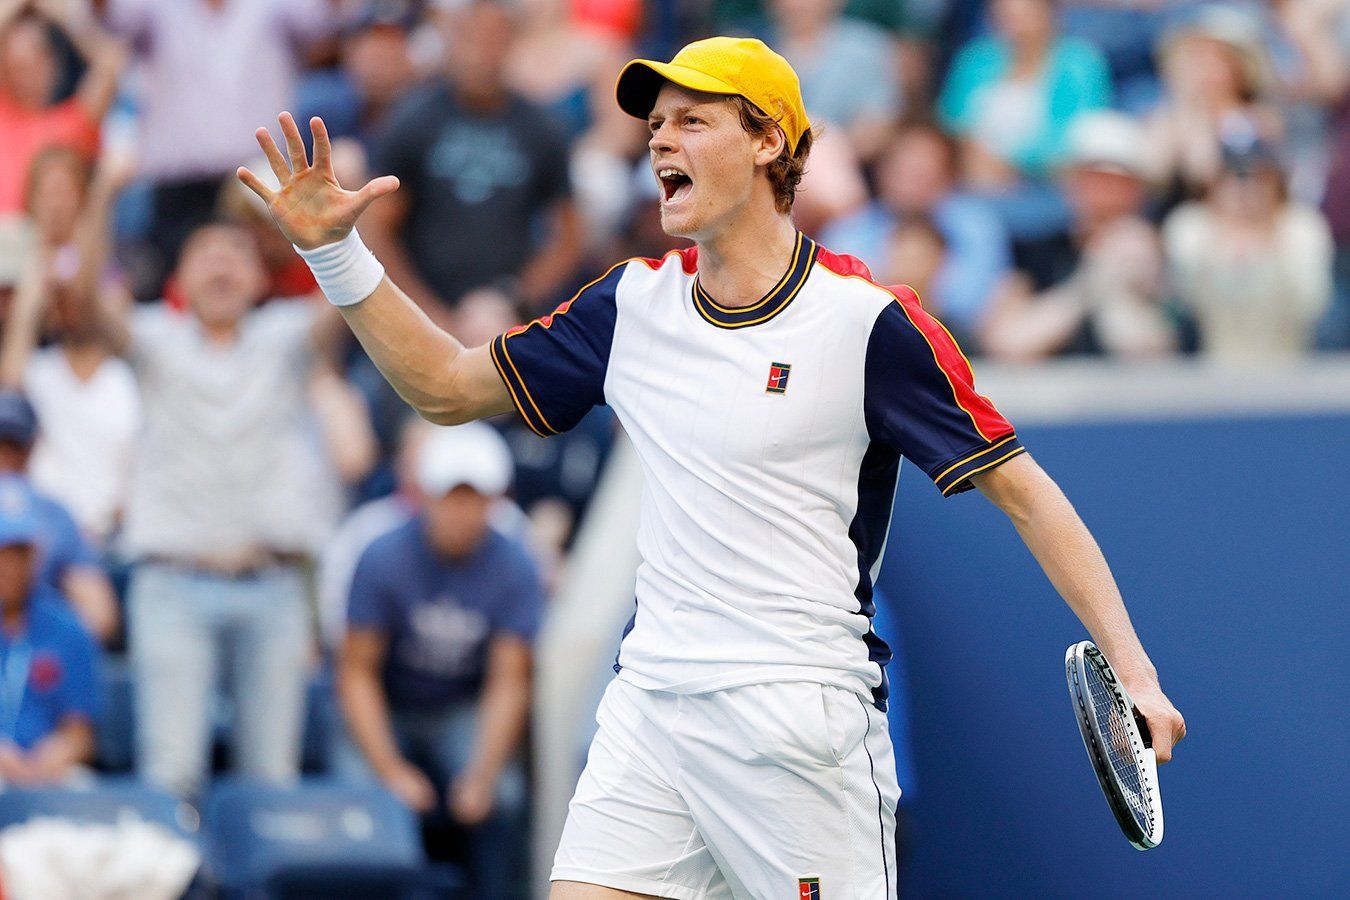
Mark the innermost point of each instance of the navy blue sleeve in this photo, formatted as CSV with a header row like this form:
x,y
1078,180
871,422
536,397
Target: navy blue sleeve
x,y
369,604
920,399
554,367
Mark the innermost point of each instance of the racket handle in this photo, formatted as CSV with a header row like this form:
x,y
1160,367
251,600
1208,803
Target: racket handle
x,y
1144,733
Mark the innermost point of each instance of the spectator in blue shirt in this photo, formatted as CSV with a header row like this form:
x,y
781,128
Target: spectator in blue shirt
x,y
918,180
64,560
48,692
435,673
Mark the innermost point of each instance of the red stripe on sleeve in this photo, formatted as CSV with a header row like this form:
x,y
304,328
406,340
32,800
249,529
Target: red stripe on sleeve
x,y
988,421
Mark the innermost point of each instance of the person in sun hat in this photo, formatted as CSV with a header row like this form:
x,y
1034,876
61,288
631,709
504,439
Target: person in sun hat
x,y
770,388
1097,287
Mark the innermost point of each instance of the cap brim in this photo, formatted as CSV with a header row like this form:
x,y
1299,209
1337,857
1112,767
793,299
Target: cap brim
x,y
641,80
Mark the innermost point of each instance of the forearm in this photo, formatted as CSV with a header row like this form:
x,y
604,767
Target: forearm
x,y
110,315
367,717
546,274
91,595
103,54
344,424
503,713
21,332
93,234
1071,559
69,745
416,357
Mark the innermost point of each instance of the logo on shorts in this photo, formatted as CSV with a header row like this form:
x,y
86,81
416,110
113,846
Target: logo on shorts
x,y
808,888
778,377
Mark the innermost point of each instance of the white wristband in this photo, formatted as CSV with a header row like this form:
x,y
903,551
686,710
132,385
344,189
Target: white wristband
x,y
346,270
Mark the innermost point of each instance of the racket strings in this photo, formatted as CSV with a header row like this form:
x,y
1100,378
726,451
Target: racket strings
x,y
1111,715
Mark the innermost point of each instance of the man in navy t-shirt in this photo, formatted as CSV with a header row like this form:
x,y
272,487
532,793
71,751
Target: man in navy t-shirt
x,y
48,687
435,674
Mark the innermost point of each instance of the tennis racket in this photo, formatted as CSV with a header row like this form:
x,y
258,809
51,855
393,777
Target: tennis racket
x,y
1118,744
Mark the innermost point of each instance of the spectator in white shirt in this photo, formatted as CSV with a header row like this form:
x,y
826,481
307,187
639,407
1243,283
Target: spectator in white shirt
x,y
1252,267
226,505
85,396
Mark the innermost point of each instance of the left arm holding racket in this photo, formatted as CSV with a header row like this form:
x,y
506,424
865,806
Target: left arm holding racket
x,y
1074,564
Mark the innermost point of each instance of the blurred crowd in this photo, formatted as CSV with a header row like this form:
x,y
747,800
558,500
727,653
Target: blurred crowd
x,y
202,474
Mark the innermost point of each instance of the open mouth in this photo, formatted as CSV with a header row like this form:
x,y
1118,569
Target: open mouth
x,y
675,185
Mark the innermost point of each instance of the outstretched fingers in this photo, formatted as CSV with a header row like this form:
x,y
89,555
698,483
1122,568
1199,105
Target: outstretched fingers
x,y
294,143
323,149
374,190
253,183
273,154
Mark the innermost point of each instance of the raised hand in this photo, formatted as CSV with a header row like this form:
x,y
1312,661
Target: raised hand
x,y
310,207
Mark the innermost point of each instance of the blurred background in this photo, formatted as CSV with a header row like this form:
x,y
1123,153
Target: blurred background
x,y
264,633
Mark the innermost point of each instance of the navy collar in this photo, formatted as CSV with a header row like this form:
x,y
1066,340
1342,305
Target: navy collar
x,y
768,306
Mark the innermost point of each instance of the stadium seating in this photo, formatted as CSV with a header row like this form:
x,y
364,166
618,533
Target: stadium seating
x,y
322,722
314,840
107,802
116,734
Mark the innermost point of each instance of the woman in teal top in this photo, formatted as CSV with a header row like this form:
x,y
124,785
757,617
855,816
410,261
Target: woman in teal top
x,y
1011,96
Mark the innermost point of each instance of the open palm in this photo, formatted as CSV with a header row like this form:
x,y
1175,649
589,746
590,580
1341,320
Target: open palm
x,y
310,207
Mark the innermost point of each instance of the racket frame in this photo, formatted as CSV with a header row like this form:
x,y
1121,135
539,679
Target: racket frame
x,y
1076,661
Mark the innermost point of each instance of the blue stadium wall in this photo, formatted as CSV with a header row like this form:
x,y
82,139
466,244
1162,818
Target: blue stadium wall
x,y
1231,542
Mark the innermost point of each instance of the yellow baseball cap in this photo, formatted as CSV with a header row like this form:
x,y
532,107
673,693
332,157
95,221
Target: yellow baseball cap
x,y
721,65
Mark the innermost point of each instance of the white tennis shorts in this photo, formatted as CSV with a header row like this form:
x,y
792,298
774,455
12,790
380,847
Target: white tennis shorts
x,y
783,790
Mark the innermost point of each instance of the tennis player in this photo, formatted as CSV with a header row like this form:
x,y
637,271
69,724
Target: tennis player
x,y
771,388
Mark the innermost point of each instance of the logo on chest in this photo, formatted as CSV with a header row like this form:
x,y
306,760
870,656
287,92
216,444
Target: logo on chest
x,y
778,378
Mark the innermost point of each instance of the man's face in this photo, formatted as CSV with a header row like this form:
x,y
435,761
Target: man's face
x,y
28,68
16,573
698,142
917,173
805,12
13,456
377,60
914,256
1024,20
457,521
479,39
1104,195
221,274
1253,195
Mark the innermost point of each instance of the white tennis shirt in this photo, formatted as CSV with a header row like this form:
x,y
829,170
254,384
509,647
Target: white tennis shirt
x,y
771,439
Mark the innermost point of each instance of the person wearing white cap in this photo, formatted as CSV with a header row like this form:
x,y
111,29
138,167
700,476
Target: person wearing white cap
x,y
1098,287
434,679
